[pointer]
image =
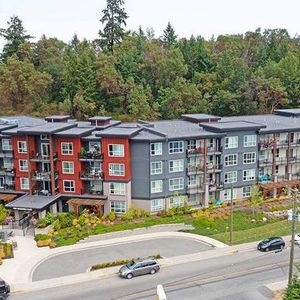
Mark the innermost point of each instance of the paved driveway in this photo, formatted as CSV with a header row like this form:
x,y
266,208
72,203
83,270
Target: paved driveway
x,y
79,261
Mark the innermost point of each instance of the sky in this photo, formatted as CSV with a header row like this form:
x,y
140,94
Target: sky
x,y
63,18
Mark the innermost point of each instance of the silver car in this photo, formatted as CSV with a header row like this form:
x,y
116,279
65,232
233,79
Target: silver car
x,y
139,267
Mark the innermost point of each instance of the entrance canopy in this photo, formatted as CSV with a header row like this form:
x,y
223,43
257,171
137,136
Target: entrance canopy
x,y
278,185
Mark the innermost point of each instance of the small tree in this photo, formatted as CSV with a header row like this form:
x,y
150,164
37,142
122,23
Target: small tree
x,y
169,37
255,198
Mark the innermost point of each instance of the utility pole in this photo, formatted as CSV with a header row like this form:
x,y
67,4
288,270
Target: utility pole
x,y
231,215
291,265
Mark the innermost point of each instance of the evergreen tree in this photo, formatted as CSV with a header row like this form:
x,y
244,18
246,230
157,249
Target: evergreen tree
x,y
15,35
114,20
169,37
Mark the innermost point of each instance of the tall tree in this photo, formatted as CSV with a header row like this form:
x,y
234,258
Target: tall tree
x,y
15,35
169,37
114,20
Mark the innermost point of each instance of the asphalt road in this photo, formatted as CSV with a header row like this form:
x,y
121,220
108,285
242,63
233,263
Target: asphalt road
x,y
239,276
80,261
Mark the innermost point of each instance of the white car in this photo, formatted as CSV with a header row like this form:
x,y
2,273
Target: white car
x,y
297,239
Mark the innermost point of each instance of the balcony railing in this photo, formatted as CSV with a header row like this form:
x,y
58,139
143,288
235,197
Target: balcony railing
x,y
195,169
281,160
195,189
92,191
39,157
43,176
265,162
195,151
215,187
90,156
214,149
264,145
213,167
8,187
91,175
7,170
7,153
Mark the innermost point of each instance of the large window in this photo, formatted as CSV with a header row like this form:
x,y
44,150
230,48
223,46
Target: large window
x,y
231,142
249,158
156,186
156,167
227,194
176,184
155,149
23,165
69,185
67,148
246,191
116,169
116,150
176,147
22,147
117,188
24,183
157,205
177,201
191,144
118,207
6,144
248,174
250,140
230,177
68,167
230,160
176,165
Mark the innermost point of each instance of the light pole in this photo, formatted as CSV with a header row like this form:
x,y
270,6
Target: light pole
x,y
231,215
291,264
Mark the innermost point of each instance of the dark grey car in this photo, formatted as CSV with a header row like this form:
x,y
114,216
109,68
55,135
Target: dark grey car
x,y
139,267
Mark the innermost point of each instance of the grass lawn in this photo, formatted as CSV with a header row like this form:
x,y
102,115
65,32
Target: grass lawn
x,y
217,228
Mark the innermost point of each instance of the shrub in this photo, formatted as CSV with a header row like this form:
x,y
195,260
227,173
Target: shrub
x,y
6,250
42,223
3,213
43,243
111,216
57,225
41,237
65,219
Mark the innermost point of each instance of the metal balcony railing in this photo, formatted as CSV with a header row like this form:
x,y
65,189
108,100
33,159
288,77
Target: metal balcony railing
x,y
91,175
90,156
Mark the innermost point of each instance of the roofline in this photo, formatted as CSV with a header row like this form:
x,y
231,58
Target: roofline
x,y
87,132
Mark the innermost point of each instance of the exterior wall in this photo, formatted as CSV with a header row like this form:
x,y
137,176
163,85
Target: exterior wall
x,y
73,158
142,204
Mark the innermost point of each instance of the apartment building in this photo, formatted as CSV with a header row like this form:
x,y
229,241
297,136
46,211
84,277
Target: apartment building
x,y
60,164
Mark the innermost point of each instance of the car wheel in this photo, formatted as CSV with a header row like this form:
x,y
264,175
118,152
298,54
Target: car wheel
x,y
129,276
267,250
153,271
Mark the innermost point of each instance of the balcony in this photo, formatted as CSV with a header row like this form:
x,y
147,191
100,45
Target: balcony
x,y
7,154
282,143
265,162
214,150
8,170
8,187
92,191
195,151
90,156
281,160
265,145
37,157
194,189
91,175
213,187
43,176
213,168
195,169
294,159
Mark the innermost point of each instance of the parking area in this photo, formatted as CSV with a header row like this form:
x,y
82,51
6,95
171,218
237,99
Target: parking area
x,y
79,261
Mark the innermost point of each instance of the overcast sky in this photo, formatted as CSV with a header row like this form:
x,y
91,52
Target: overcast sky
x,y
63,18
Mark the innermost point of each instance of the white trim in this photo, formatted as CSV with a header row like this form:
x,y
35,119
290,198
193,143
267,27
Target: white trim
x,y
61,148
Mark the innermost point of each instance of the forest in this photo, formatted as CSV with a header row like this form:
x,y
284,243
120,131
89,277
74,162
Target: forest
x,y
132,75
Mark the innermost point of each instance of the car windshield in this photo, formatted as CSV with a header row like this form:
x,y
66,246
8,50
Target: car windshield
x,y
266,241
130,265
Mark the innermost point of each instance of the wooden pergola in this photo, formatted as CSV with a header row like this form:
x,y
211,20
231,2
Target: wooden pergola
x,y
267,187
7,197
76,202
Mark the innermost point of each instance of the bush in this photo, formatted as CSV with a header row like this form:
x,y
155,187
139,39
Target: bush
x,y
65,219
43,243
178,211
3,213
111,216
7,250
41,237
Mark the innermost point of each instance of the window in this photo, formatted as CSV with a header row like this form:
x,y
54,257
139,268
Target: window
x,y
24,183
246,191
7,163
156,186
22,147
68,167
9,180
69,185
249,158
44,137
156,167
176,165
250,140
117,188
116,169
155,149
192,180
118,207
175,147
67,148
6,144
191,144
157,204
231,142
227,194
23,165
116,150
177,201
176,184
248,174
230,160
230,177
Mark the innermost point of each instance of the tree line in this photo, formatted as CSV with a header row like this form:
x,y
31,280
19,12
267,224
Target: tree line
x,y
137,75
